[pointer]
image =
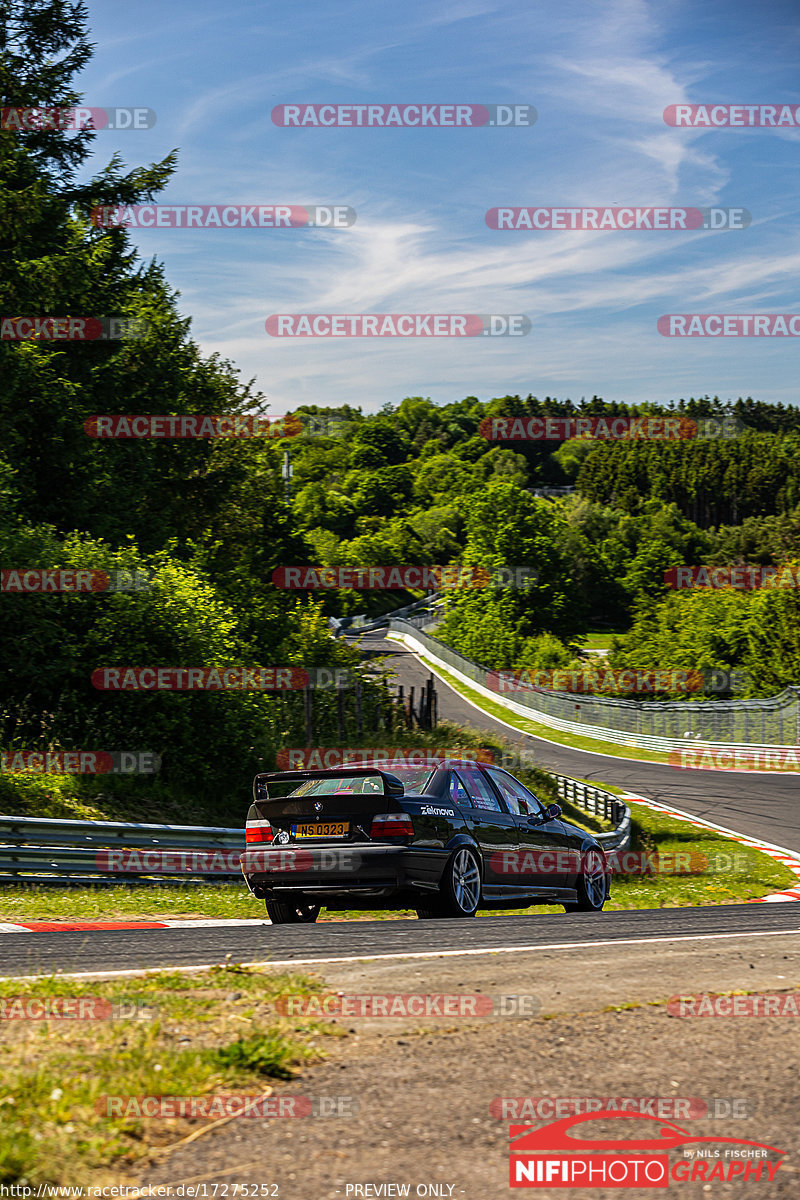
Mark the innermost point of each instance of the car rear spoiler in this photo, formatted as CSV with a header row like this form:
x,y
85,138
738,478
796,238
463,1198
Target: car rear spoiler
x,y
392,786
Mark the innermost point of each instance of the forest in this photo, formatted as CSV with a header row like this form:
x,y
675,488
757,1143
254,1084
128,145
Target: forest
x,y
206,521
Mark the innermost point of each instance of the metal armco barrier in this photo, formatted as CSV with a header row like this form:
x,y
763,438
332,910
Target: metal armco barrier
x,y
38,850
647,725
600,803
421,612
41,850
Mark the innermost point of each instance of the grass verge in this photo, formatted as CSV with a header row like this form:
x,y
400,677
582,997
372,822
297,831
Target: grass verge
x,y
601,639
216,1033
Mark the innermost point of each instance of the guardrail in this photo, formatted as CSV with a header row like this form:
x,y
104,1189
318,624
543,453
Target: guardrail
x,y
599,803
40,850
426,611
648,725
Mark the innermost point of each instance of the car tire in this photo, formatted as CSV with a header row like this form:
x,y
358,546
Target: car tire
x,y
592,884
459,888
288,912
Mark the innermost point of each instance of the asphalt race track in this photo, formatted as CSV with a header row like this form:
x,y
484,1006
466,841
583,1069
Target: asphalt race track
x,y
132,950
760,805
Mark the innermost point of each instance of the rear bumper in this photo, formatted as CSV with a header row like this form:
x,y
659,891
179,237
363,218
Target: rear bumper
x,y
342,870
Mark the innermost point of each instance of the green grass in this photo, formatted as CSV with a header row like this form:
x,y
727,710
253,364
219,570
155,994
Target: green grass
x,y
749,874
601,640
191,1035
126,902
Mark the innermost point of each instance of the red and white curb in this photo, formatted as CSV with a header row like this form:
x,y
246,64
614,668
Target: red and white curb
x,y
94,926
789,858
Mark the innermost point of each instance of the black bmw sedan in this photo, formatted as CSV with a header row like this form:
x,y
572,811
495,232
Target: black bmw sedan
x,y
444,839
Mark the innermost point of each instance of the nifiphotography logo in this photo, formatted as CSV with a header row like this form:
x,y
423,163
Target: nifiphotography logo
x,y
553,1157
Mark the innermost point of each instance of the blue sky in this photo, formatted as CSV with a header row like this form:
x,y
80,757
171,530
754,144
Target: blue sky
x,y
599,76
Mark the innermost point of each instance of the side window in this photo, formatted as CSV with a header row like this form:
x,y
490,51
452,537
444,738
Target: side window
x,y
516,796
481,795
458,793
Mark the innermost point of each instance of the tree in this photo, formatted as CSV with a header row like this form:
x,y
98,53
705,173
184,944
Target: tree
x,y
56,262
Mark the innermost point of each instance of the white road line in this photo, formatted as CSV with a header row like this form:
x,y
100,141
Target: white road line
x,y
304,962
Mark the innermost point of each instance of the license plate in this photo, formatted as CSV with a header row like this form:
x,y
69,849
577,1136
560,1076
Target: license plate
x,y
340,829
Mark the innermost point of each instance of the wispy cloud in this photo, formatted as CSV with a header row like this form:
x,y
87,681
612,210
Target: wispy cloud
x,y
600,78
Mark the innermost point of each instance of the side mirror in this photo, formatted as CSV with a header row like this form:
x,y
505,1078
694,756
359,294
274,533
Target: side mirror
x,y
550,813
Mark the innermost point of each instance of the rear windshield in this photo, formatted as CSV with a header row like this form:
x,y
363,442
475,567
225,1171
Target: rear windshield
x,y
343,786
413,779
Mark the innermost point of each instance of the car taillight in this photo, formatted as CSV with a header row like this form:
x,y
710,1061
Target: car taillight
x,y
258,831
391,825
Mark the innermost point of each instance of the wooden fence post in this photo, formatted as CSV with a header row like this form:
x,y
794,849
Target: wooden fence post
x,y
340,714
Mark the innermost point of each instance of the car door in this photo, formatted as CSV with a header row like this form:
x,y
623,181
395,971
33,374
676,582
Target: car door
x,y
495,830
553,861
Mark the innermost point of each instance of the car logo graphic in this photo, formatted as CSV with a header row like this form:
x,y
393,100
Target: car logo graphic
x,y
317,807
553,1154
282,837
555,1135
